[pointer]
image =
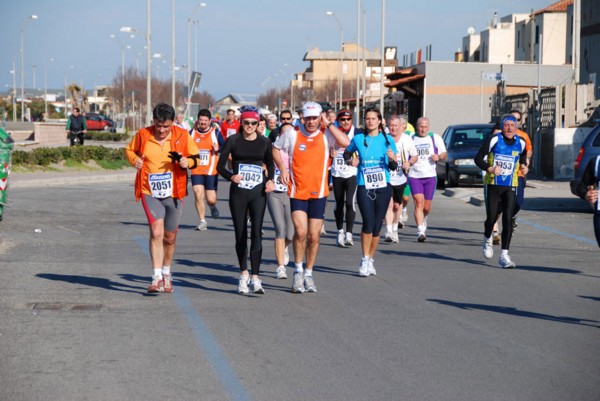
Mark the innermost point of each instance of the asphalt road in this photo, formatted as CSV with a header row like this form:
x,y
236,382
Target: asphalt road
x,y
438,322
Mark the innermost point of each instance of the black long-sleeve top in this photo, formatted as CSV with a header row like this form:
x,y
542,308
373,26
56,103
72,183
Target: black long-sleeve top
x,y
588,178
487,146
243,151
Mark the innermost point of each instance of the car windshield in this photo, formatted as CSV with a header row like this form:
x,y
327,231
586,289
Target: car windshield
x,y
468,138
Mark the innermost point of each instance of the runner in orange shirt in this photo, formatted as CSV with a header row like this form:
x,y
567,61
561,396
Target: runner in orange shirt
x,y
306,177
205,176
162,153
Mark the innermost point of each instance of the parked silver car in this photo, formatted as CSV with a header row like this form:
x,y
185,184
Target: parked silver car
x,y
589,149
462,142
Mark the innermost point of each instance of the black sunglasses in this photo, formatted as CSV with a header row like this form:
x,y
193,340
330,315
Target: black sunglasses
x,y
246,122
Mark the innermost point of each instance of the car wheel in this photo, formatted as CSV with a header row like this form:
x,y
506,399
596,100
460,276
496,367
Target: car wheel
x,y
452,178
107,128
440,182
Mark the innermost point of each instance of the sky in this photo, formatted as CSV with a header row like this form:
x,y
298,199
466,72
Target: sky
x,y
241,46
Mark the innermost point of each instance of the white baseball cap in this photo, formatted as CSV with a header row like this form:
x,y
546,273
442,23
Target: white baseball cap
x,y
311,109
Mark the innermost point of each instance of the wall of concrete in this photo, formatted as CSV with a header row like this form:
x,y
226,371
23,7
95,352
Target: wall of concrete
x,y
50,134
456,94
567,142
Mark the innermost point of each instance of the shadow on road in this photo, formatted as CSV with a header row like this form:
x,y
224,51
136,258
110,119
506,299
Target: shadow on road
x,y
432,255
95,282
517,312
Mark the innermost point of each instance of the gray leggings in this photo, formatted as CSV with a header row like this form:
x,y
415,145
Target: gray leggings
x,y
279,209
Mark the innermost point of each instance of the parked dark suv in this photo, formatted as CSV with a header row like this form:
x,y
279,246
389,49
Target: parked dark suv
x,y
462,142
589,149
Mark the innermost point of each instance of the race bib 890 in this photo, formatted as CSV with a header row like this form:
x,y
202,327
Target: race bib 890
x,y
374,177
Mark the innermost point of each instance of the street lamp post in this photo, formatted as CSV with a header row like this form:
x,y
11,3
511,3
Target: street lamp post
x,y
189,65
33,17
148,70
340,58
122,72
357,106
195,22
14,94
364,59
173,53
382,56
46,87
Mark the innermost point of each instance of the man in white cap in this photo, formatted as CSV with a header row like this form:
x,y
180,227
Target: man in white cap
x,y
308,148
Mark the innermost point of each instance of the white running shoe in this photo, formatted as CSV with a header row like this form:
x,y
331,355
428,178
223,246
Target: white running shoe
x,y
363,270
243,284
257,287
341,240
349,239
425,222
286,256
371,267
388,236
298,283
421,237
281,273
505,262
203,226
309,284
488,248
395,239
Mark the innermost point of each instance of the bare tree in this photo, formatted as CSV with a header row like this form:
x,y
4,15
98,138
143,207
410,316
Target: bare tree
x,y
204,99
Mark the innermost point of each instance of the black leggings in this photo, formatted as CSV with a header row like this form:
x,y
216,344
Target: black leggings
x,y
244,203
344,191
506,196
373,205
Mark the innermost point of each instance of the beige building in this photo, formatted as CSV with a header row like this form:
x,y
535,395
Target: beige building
x,y
516,38
320,80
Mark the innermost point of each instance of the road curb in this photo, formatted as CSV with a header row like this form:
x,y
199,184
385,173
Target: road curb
x,y
70,180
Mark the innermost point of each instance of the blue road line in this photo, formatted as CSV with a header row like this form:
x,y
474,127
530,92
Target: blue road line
x,y
209,346
553,231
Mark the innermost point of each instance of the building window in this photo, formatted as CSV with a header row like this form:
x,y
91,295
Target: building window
x,y
518,39
476,55
537,34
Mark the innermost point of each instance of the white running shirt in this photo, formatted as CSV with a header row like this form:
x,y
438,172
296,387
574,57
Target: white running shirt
x,y
406,149
425,167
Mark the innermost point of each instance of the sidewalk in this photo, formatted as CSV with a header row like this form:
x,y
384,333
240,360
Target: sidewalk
x,y
57,178
535,188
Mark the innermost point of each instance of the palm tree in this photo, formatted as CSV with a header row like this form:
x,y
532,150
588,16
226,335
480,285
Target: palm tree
x,y
74,90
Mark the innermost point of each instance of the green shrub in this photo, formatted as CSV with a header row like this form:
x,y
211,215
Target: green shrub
x,y
79,154
106,136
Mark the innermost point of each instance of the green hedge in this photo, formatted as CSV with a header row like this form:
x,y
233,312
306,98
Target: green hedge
x,y
106,136
47,156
